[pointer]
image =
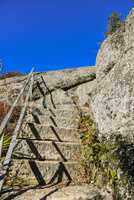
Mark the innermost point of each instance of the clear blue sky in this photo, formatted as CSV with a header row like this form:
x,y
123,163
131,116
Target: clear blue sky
x,y
54,34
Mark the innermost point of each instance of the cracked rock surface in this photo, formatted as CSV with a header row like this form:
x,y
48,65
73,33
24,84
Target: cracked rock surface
x,y
83,192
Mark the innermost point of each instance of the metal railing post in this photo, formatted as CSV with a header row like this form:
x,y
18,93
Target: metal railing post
x,y
13,142
8,116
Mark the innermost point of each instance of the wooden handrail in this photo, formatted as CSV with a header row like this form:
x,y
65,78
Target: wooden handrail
x,y
13,142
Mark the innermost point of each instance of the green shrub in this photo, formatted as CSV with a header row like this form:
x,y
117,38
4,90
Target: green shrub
x,y
100,158
93,75
114,23
6,142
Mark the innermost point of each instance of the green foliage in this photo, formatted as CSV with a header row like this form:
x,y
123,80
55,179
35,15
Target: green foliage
x,y
114,23
93,75
6,143
18,181
100,161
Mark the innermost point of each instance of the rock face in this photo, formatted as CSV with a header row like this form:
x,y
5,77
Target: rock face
x,y
68,193
64,80
80,193
51,81
10,87
115,47
112,100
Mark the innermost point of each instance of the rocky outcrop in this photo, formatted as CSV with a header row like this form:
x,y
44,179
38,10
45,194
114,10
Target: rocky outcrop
x,y
10,87
64,80
112,100
83,192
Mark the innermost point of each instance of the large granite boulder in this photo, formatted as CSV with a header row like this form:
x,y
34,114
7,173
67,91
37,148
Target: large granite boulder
x,y
112,100
45,83
115,47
